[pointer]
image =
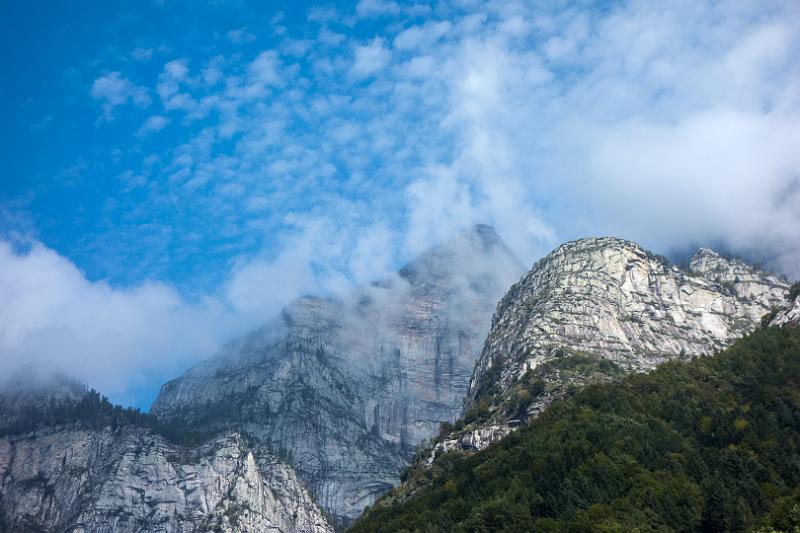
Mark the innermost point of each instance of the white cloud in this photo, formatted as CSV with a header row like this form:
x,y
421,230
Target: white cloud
x,y
521,115
240,35
370,58
142,54
670,142
153,124
55,319
169,86
113,90
265,69
377,8
422,36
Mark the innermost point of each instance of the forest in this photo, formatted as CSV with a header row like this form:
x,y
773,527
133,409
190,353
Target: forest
x,y
93,410
712,444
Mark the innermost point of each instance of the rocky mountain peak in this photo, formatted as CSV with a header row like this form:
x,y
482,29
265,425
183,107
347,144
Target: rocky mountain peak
x,y
734,274
596,308
348,387
717,267
486,235
74,478
473,252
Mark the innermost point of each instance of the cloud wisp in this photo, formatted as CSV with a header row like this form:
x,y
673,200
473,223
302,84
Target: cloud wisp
x,y
114,90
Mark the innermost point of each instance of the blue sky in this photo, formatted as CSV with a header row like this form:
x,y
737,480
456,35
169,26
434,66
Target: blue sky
x,y
175,172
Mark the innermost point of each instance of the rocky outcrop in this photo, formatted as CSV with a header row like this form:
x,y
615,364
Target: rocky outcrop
x,y
595,309
77,477
347,388
790,314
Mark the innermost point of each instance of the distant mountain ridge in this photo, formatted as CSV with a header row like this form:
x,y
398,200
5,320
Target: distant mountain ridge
x,y
72,462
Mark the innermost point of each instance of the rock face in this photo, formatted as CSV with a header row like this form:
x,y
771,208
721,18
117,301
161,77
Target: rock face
x,y
789,315
76,477
348,388
596,308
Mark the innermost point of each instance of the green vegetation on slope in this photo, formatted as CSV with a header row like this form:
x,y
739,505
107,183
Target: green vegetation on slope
x,y
794,291
94,411
709,445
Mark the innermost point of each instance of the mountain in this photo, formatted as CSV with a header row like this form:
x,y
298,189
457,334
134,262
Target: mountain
x,y
594,310
707,445
347,388
70,461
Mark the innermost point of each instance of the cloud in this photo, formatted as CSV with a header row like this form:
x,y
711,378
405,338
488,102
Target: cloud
x,y
574,132
265,68
330,157
58,321
41,124
153,124
542,120
421,36
377,8
175,73
113,90
142,54
240,35
55,319
370,58
516,114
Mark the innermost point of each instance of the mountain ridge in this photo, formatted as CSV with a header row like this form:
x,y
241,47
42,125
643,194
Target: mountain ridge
x,y
334,397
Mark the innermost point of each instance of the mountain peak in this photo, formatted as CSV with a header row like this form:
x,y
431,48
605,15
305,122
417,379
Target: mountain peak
x,y
487,235
613,306
705,252
706,260
465,254
724,268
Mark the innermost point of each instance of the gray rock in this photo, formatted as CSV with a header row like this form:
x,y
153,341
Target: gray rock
x,y
787,316
77,477
347,388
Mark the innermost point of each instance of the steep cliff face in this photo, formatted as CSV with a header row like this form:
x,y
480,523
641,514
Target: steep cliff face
x,y
595,309
79,477
349,387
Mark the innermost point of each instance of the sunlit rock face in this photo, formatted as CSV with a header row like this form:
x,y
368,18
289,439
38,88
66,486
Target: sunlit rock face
x,y
347,388
788,315
595,309
77,477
